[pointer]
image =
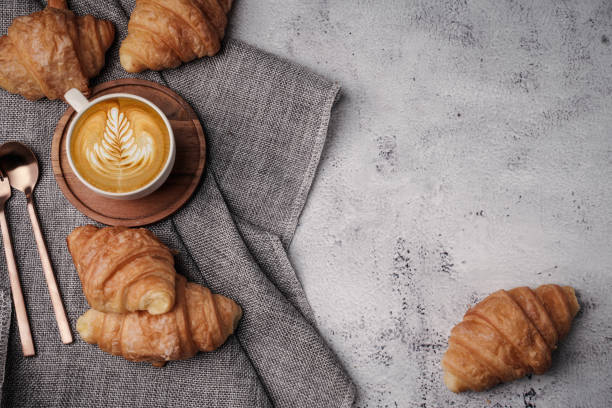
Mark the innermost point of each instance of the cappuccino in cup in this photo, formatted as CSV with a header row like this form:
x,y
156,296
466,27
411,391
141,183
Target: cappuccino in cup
x,y
120,146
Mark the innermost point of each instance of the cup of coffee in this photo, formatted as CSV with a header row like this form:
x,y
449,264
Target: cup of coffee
x,y
119,145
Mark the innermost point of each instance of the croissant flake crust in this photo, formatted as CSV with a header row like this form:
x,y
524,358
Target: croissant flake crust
x,y
48,52
508,335
123,269
165,33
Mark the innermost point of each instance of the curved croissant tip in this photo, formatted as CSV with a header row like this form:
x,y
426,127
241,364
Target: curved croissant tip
x,y
129,62
157,303
86,325
454,383
573,300
230,311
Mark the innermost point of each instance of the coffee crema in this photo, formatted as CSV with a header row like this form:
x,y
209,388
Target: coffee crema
x,y
120,145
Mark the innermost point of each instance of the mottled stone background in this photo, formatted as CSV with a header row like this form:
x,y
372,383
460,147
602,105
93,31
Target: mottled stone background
x,y
472,151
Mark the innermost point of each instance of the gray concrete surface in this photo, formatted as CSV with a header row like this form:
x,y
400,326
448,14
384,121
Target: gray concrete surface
x,y
472,151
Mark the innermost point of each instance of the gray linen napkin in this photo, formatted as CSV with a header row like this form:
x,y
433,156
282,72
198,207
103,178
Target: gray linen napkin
x,y
266,122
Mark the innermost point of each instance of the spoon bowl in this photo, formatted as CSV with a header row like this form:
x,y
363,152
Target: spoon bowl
x,y
20,165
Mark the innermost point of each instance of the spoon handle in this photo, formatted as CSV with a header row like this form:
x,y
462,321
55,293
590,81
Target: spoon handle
x,y
56,299
27,345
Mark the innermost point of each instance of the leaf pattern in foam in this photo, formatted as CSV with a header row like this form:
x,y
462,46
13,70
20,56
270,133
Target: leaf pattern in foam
x,y
118,154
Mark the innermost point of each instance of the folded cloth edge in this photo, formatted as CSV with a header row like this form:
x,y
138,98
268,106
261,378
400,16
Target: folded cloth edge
x,y
300,200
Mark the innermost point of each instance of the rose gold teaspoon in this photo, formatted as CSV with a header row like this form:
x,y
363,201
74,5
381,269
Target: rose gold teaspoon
x,y
27,345
19,163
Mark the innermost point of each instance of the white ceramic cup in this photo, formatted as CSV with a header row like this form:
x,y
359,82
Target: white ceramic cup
x,y
81,104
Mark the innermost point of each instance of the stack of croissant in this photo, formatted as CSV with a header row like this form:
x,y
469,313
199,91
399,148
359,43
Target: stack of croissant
x,y
51,51
142,309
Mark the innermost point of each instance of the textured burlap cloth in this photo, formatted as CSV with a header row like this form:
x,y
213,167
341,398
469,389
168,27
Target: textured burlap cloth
x,y
266,122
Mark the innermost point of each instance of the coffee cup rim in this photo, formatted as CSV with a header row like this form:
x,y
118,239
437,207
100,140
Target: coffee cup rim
x,y
148,188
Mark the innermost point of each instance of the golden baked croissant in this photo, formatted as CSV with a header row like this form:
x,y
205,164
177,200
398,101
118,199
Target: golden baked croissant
x,y
123,269
164,33
199,320
508,335
51,51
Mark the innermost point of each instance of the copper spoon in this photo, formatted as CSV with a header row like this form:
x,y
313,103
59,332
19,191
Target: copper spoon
x,y
27,345
20,165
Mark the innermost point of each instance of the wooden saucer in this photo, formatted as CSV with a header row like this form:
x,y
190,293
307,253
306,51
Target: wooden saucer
x,y
182,182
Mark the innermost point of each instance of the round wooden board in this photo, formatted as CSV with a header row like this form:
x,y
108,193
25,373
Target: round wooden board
x,y
182,182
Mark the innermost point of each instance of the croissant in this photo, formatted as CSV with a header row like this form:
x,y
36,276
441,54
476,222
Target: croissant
x,y
123,269
508,335
165,33
199,320
51,51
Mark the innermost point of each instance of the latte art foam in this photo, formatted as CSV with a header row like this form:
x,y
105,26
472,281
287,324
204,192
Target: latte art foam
x,y
120,145
118,154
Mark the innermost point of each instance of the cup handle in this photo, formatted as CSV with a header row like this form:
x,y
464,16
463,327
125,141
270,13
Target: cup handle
x,y
76,99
